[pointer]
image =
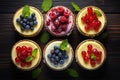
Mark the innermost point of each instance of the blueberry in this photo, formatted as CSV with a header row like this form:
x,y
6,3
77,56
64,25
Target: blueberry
x,y
53,56
21,16
28,22
18,20
55,63
66,56
56,47
27,27
24,20
33,14
30,18
22,28
57,58
61,61
35,22
31,24
59,54
23,24
34,18
57,51
49,56
52,60
32,28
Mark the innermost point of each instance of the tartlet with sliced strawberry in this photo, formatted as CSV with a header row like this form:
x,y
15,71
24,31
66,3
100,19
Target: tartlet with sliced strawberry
x,y
90,54
91,21
59,21
26,54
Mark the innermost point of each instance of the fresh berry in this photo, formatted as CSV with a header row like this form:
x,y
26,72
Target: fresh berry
x,y
66,14
22,53
53,16
91,21
63,19
92,54
57,56
64,27
60,10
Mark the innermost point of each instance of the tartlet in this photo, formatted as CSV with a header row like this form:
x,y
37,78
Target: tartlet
x,y
91,21
37,28
90,54
60,65
59,21
22,64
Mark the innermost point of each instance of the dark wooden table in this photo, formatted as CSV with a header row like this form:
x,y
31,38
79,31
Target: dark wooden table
x,y
8,37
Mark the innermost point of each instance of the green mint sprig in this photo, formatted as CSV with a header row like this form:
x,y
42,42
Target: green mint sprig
x,y
46,5
72,72
26,11
98,13
36,72
63,45
75,6
34,53
44,38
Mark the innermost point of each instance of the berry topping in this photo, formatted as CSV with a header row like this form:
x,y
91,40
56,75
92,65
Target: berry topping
x,y
22,53
27,23
92,55
91,21
58,19
57,56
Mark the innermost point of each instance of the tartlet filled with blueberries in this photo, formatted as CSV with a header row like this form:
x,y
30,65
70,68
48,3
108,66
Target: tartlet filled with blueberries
x,y
58,54
28,21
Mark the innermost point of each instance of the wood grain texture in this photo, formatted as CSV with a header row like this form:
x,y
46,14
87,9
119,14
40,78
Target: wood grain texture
x,y
8,37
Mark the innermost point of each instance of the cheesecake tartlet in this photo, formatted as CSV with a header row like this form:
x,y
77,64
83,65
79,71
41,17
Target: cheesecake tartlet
x,y
55,58
59,21
91,21
26,54
31,25
90,54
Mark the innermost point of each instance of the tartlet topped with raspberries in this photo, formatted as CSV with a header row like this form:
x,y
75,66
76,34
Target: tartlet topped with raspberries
x,y
26,54
56,58
28,21
59,21
91,21
90,54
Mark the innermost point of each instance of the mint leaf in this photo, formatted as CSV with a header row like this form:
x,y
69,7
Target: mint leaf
x,y
63,45
46,5
98,13
26,11
34,52
93,57
72,72
104,36
44,37
75,6
29,59
36,72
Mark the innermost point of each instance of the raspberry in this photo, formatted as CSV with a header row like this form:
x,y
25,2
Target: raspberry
x,y
64,27
63,19
60,10
66,14
53,16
